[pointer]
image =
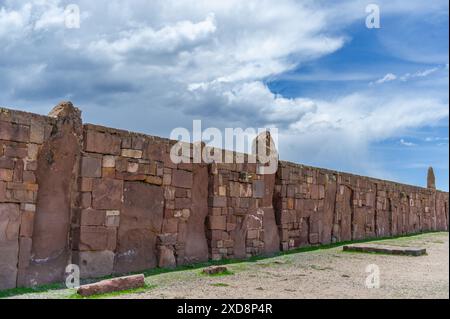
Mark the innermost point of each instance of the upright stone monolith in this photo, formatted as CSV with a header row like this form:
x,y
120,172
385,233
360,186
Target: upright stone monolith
x,y
431,180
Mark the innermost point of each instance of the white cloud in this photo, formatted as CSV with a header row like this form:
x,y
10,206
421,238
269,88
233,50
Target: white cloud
x,y
387,78
405,143
154,65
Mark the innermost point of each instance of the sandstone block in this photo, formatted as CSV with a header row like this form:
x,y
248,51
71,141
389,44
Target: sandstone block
x,y
91,167
107,194
155,180
213,270
37,133
217,222
24,252
9,244
258,189
110,285
112,218
27,223
166,258
100,142
17,152
14,132
182,179
170,225
218,201
109,161
94,263
6,163
97,238
131,153
181,203
6,175
92,217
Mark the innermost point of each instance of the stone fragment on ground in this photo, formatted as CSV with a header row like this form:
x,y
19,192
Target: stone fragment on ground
x,y
384,249
212,270
112,285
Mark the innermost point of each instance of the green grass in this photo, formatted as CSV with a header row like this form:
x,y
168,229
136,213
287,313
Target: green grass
x,y
115,293
238,264
38,289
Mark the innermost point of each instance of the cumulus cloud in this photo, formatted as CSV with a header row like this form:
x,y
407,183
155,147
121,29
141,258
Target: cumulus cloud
x,y
155,65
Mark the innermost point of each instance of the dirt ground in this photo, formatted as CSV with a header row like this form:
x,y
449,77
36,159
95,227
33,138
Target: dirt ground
x,y
324,273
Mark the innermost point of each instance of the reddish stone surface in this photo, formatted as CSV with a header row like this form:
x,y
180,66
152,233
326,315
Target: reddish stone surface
x,y
182,179
57,162
132,208
100,142
107,193
9,245
140,222
111,285
194,236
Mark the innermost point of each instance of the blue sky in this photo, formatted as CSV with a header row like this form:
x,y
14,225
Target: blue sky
x,y
368,101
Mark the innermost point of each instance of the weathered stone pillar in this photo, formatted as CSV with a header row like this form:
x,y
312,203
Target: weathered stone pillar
x,y
56,175
431,180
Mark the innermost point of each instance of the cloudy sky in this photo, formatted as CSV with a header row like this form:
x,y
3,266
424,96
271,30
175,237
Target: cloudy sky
x,y
367,101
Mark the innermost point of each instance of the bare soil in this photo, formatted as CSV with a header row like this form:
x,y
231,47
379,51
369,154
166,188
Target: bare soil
x,y
323,273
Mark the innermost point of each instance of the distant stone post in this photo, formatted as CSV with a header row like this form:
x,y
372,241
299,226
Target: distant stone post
x,y
431,180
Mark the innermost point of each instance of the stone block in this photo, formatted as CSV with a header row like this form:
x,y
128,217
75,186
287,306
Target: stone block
x,y
181,203
27,223
166,257
6,175
170,225
155,180
94,238
6,163
258,189
92,217
86,184
102,142
112,218
217,201
9,244
14,132
131,153
91,167
213,270
25,244
37,132
182,179
16,152
107,194
111,285
217,222
94,263
109,161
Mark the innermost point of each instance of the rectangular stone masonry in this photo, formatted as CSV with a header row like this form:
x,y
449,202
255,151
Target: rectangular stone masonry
x,y
127,207
182,179
102,142
384,249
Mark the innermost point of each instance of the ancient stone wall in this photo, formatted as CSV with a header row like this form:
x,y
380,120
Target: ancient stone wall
x,y
113,202
319,206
